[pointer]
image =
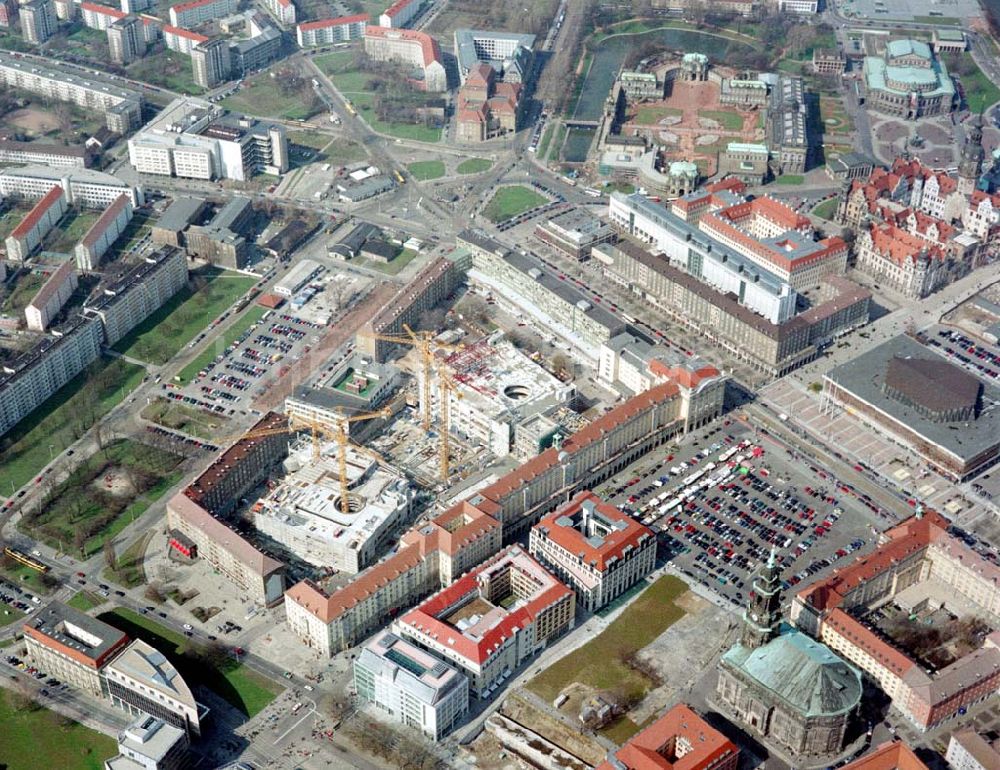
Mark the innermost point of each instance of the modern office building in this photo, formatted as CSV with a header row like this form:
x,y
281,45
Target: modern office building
x,y
55,155
574,232
418,50
937,409
192,138
126,40
122,107
27,380
72,646
400,13
196,511
594,548
38,20
908,81
492,619
150,744
802,7
327,31
29,232
255,52
126,299
410,686
191,14
102,235
55,293
140,680
81,187
211,62
678,740
510,54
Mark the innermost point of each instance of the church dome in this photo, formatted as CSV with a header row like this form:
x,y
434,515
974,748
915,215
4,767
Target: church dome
x,y
802,672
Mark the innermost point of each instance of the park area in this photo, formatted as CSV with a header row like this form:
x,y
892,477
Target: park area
x,y
105,493
474,166
606,662
425,170
282,91
186,419
210,665
64,418
508,202
195,306
34,737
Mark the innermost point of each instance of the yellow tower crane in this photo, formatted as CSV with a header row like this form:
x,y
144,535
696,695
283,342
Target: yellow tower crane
x,y
339,434
446,386
424,342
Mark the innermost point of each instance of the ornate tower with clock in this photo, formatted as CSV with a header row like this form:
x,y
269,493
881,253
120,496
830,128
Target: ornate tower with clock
x,y
762,616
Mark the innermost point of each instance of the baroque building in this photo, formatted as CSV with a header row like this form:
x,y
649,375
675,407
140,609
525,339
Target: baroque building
x,y
782,685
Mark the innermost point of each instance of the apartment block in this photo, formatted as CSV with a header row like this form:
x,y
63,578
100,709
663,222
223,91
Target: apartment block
x,y
103,233
415,49
29,379
410,686
594,548
400,13
197,12
211,62
44,215
82,187
326,31
129,298
55,155
126,40
55,293
182,40
38,20
122,107
283,10
100,17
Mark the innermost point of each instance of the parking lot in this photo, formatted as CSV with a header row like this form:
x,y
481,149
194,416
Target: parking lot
x,y
981,360
725,497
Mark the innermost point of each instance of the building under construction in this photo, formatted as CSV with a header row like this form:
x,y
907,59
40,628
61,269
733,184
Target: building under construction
x,y
305,511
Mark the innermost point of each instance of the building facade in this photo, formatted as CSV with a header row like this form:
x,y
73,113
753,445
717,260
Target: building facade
x,y
411,686
908,81
126,40
37,223
55,293
594,548
191,14
211,62
416,49
102,235
342,29
38,20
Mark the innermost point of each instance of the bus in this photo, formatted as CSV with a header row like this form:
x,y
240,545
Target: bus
x,y
688,481
724,457
592,192
350,109
399,177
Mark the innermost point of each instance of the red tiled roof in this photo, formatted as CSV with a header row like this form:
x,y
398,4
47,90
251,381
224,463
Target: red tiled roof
x,y
888,756
615,544
899,246
193,4
655,747
53,284
102,9
428,46
323,23
426,616
37,212
104,221
181,32
860,636
398,6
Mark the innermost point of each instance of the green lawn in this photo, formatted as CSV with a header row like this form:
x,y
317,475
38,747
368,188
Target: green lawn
x,y
543,145
9,615
425,170
826,209
187,419
11,216
510,201
84,601
833,116
35,737
159,337
557,142
649,114
623,187
243,688
942,21
129,571
261,95
600,662
406,256
69,233
474,166
790,179
310,139
168,69
83,513
64,418
980,91
730,121
339,67
417,133
27,577
27,285
233,333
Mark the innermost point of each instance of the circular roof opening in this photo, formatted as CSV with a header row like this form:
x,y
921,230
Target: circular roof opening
x,y
516,392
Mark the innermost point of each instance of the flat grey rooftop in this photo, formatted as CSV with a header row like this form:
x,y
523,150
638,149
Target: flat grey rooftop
x,y
864,377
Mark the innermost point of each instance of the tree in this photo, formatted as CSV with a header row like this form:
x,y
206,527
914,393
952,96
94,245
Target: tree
x,y
110,557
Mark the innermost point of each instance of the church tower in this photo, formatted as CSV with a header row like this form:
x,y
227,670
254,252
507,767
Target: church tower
x,y
970,167
762,616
